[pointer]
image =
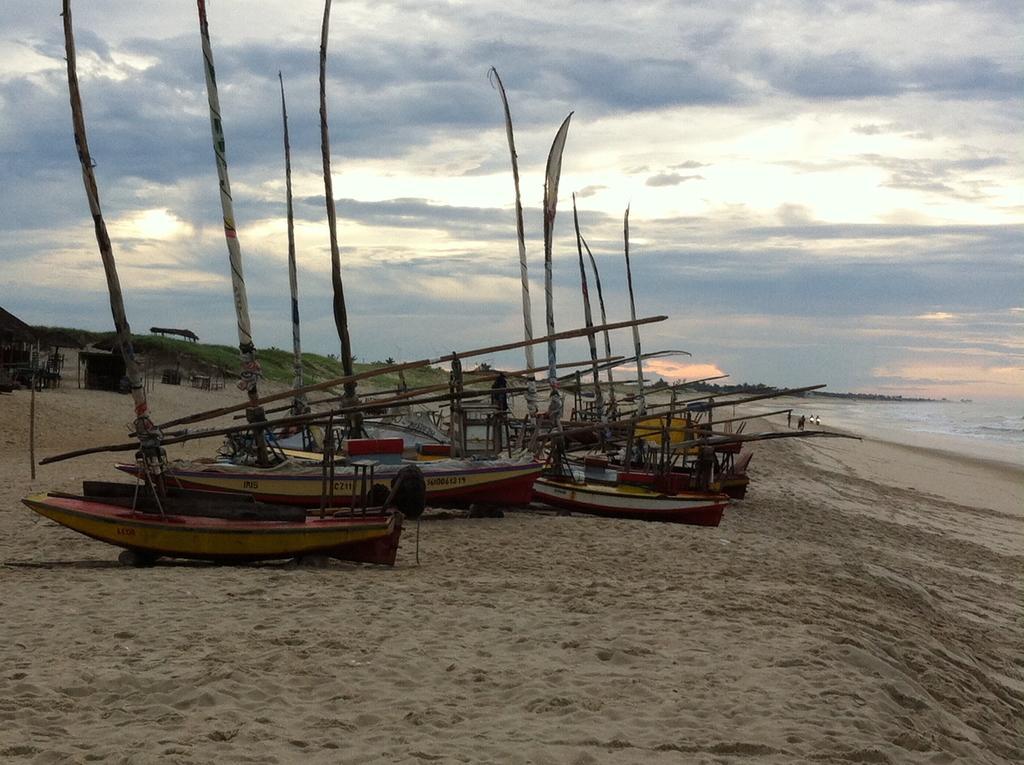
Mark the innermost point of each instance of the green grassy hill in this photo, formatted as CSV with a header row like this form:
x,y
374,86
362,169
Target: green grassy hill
x,y
276,363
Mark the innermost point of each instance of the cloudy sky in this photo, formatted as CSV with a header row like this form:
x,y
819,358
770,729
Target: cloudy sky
x,y
820,191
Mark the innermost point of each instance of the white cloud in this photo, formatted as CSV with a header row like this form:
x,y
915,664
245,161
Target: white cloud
x,y
789,215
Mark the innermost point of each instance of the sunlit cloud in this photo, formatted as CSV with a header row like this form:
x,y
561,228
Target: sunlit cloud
x,y
159,224
681,370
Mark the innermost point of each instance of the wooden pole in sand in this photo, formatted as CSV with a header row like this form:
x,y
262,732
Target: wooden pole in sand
x,y
32,414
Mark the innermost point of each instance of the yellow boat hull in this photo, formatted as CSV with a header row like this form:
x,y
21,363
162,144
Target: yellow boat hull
x,y
217,539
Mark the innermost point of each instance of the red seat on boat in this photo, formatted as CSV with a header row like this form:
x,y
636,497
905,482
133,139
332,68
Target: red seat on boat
x,y
435,450
643,479
364,447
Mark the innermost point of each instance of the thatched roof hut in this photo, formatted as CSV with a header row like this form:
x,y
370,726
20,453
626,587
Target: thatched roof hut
x,y
16,341
14,330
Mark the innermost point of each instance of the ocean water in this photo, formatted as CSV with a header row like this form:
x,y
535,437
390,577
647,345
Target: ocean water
x,y
993,430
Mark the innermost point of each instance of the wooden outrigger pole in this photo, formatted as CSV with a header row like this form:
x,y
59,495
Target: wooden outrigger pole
x,y
551,177
676,386
299,405
629,424
531,385
641,403
474,377
588,317
250,367
334,382
226,410
413,396
355,421
175,437
148,434
714,404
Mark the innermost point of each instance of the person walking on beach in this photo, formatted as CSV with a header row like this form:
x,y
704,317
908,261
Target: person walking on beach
x,y
789,418
800,423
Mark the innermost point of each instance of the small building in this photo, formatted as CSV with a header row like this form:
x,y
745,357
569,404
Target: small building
x,y
102,370
17,339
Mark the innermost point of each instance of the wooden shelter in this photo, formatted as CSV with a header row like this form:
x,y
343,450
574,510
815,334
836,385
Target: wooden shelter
x,y
103,370
187,334
17,339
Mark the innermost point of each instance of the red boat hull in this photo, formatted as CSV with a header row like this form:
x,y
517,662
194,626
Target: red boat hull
x,y
615,502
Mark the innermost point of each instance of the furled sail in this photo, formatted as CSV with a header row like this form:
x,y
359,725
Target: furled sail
x,y
250,367
641,403
551,177
531,385
588,318
604,320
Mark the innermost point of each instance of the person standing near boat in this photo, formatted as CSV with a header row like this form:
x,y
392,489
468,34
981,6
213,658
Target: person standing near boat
x,y
499,392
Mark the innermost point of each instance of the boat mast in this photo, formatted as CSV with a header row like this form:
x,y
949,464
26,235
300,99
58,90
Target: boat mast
x,y
588,318
604,320
299,405
148,434
641,404
250,367
551,178
355,422
531,384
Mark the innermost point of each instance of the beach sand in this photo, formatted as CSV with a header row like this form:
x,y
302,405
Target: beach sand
x,y
863,604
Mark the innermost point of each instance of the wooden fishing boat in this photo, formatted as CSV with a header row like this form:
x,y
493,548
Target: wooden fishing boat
x,y
449,483
630,500
729,474
223,528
